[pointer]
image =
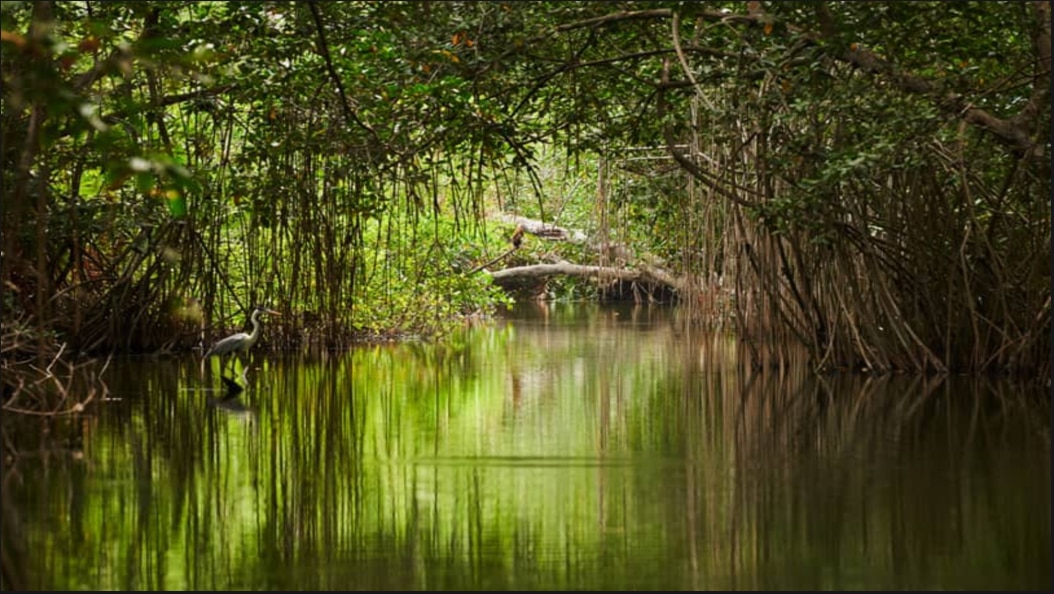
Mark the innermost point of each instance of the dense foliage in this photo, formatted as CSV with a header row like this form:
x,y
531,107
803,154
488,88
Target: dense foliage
x,y
867,179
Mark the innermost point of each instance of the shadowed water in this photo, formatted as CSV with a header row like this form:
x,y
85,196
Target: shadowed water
x,y
569,447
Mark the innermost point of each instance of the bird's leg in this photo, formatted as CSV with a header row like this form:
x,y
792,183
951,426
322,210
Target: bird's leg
x,y
243,358
224,361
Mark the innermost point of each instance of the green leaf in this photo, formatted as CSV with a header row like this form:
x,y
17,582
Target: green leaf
x,y
177,203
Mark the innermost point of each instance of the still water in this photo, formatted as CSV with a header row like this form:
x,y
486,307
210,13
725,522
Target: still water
x,y
564,447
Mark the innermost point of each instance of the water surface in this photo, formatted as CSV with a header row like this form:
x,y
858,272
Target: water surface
x,y
567,447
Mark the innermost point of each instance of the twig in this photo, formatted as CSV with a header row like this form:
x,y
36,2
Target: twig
x,y
323,48
495,260
57,355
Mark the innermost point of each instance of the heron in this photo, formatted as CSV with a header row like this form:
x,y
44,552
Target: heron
x,y
242,341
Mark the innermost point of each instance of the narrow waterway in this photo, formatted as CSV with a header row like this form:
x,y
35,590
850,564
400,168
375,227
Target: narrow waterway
x,y
564,447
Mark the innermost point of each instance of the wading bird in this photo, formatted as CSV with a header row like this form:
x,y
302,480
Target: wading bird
x,y
240,342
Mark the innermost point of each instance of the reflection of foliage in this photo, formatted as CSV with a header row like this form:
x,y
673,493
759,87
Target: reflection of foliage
x,y
580,454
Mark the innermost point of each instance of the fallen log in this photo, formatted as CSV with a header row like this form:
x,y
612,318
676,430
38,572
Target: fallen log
x,y
629,269
517,275
544,230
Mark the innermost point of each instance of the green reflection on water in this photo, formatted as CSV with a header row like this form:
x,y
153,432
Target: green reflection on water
x,y
574,448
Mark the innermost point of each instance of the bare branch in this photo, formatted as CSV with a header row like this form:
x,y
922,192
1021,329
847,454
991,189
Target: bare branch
x,y
604,273
1014,131
323,49
597,22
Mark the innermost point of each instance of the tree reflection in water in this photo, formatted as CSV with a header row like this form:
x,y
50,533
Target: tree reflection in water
x,y
579,450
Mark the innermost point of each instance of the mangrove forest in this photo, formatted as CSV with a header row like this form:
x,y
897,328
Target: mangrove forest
x,y
548,295
867,180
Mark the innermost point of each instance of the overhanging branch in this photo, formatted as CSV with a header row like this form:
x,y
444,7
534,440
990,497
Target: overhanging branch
x,y
1015,130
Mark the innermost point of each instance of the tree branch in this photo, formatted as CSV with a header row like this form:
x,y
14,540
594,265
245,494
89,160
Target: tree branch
x,y
630,15
653,276
1015,130
682,159
323,49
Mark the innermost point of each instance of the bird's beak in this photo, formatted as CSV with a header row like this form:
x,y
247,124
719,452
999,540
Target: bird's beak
x,y
273,312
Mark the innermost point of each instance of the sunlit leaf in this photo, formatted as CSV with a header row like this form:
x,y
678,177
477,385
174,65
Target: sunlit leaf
x,y
144,182
177,203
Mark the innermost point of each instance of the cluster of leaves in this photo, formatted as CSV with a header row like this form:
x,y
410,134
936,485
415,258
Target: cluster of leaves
x,y
426,283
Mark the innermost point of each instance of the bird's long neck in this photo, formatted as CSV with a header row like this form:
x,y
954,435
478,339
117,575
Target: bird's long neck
x,y
256,326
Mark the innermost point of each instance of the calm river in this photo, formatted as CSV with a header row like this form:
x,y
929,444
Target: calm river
x,y
564,447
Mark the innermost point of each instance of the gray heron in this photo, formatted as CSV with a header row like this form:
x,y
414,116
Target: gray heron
x,y
242,341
